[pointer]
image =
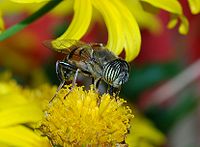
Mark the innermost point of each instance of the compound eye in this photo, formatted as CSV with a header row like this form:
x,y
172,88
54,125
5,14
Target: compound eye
x,y
124,78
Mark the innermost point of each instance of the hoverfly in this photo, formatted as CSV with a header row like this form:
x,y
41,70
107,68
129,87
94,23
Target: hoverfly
x,y
93,60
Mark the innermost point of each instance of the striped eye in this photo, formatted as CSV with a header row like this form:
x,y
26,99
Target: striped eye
x,y
111,71
116,72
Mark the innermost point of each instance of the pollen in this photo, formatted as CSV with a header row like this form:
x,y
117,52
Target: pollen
x,y
84,118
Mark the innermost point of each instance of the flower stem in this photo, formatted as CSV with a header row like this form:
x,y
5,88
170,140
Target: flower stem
x,y
21,25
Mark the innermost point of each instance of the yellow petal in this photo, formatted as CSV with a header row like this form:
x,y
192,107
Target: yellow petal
x,y
123,30
21,136
131,31
183,28
184,24
63,9
1,23
16,6
29,1
172,6
20,114
11,100
143,18
9,7
10,89
11,95
173,21
194,6
112,18
81,20
143,133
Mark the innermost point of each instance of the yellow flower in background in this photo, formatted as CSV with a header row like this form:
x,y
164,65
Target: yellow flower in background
x,y
13,6
19,110
5,76
1,23
29,1
83,118
144,134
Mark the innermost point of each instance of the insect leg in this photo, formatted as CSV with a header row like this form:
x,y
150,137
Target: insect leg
x,y
113,90
96,83
63,71
74,81
75,77
58,89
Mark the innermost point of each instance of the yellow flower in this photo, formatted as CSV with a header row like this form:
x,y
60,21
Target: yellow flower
x,y
144,134
5,76
19,111
83,118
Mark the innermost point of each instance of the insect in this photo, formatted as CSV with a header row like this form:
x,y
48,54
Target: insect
x,y
93,60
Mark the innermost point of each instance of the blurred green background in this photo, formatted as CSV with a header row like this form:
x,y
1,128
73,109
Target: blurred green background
x,y
166,61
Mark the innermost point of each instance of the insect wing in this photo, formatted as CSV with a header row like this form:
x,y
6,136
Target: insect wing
x,y
77,50
63,46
